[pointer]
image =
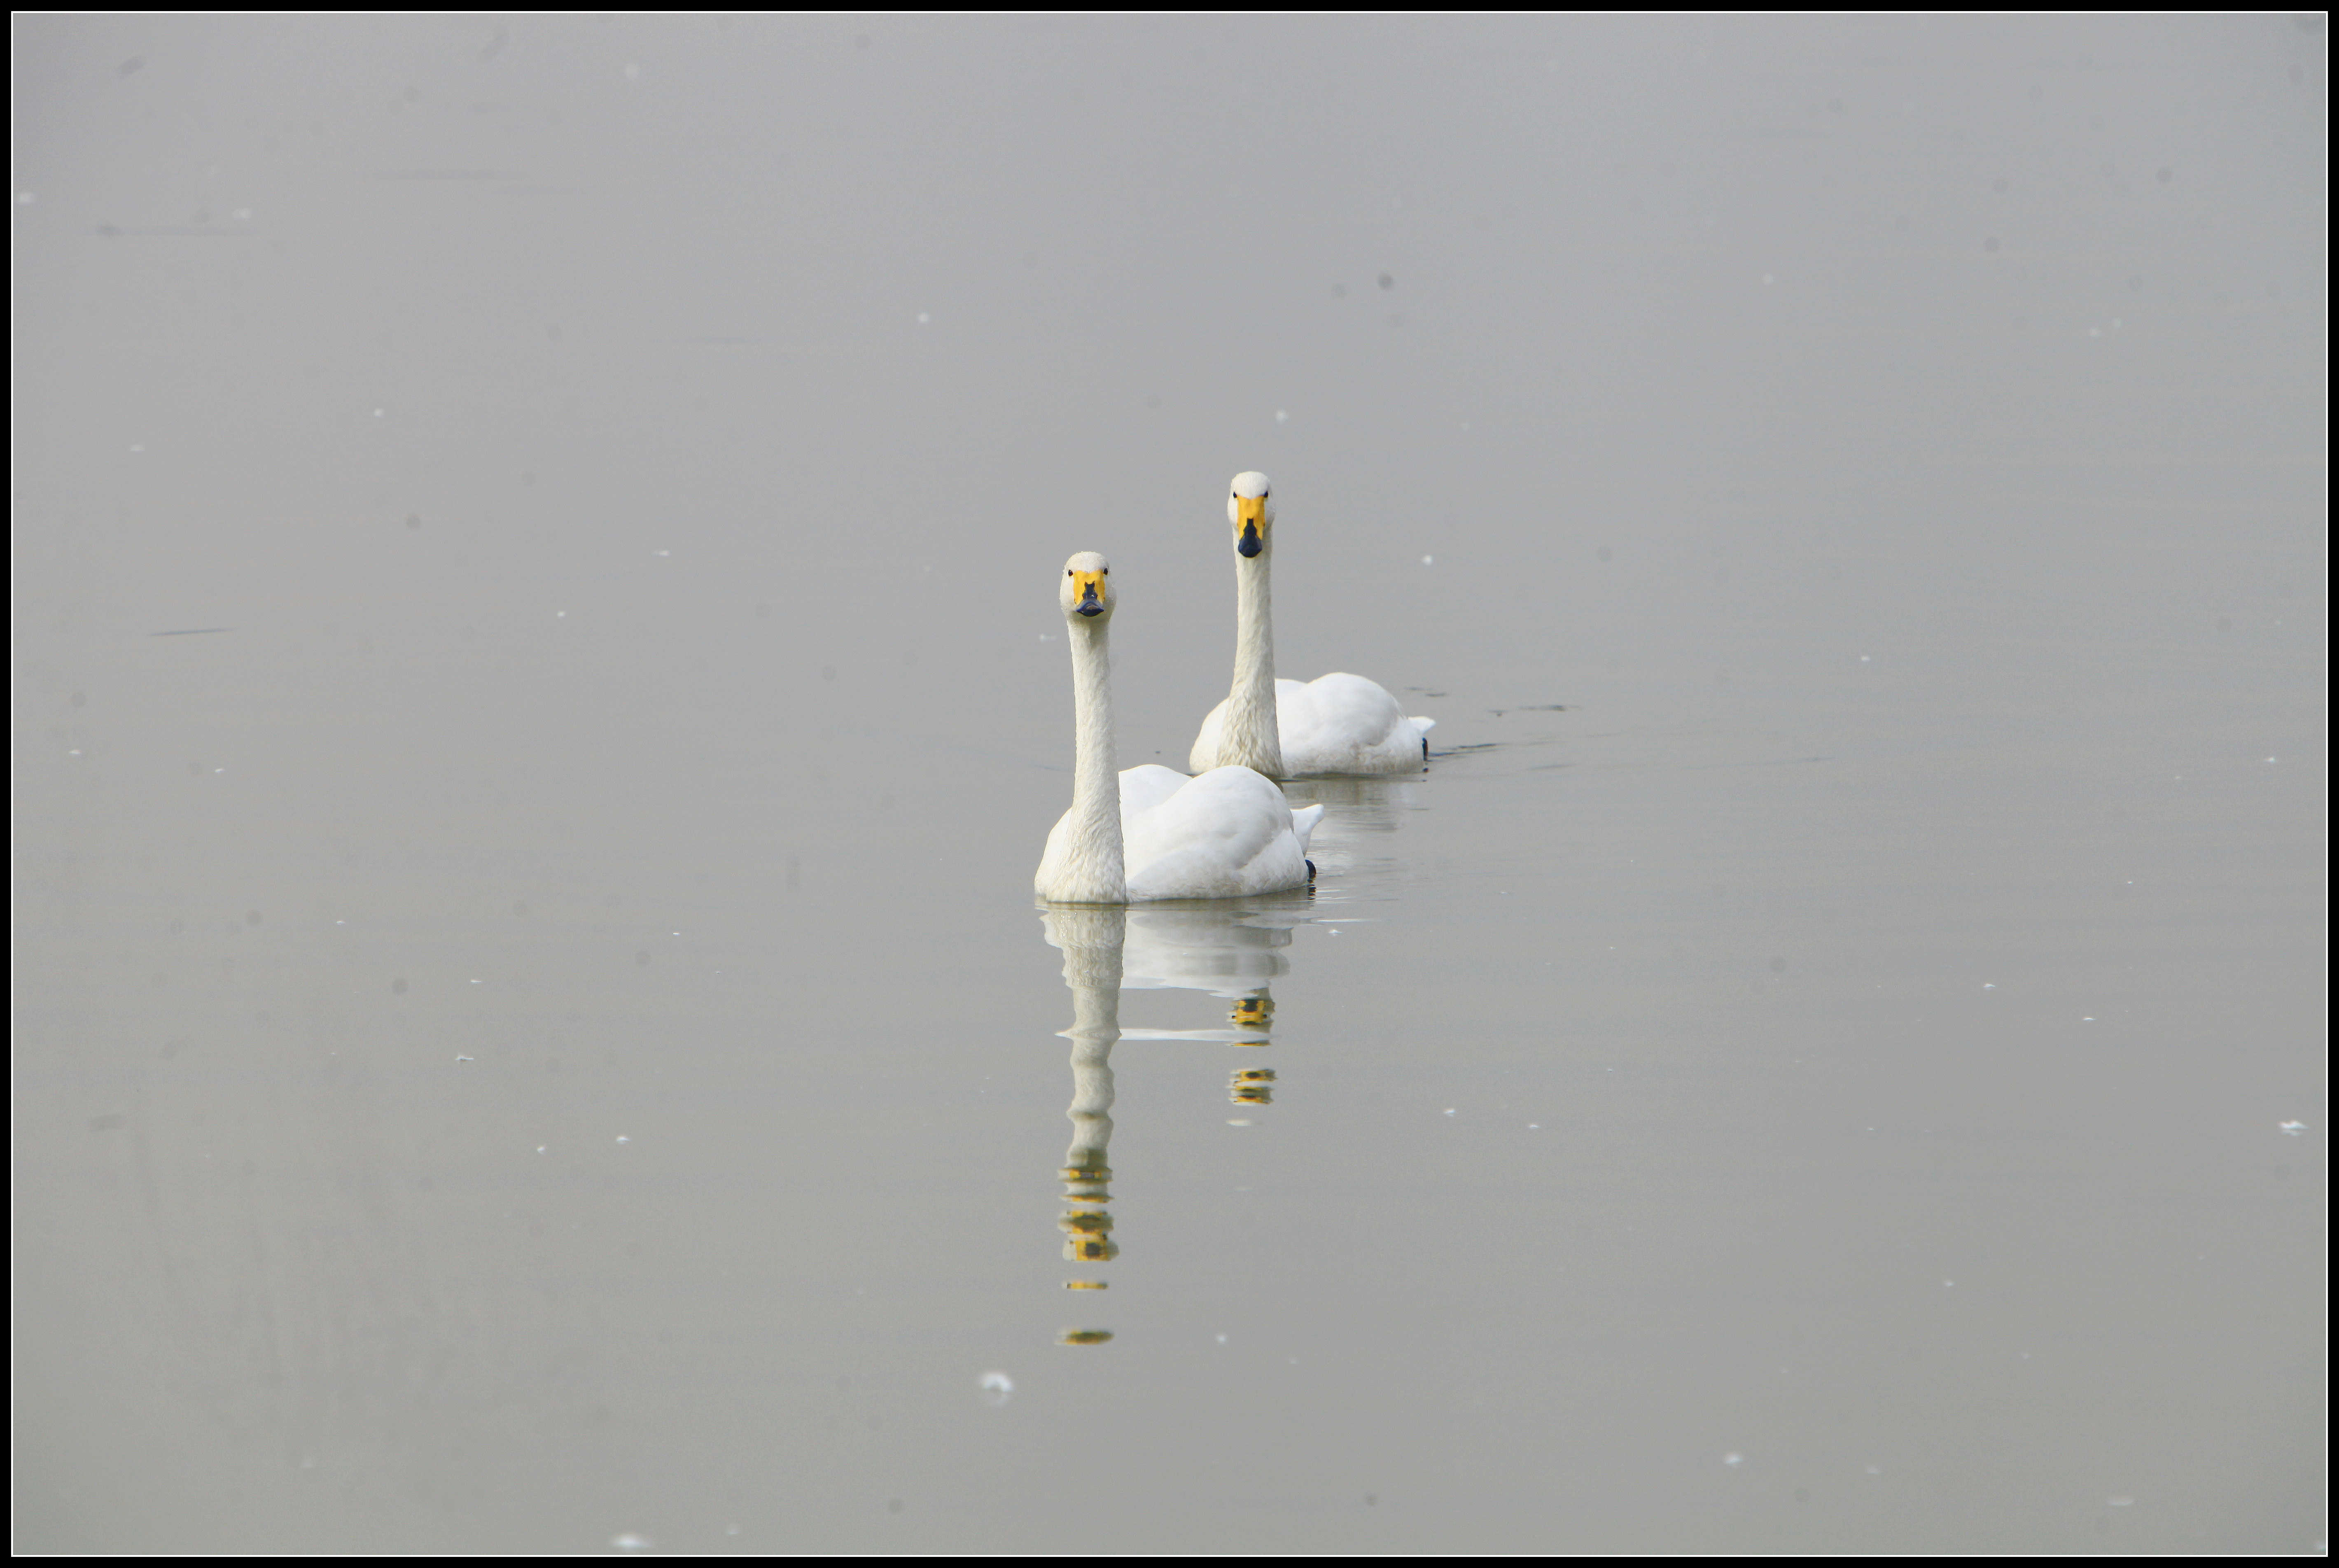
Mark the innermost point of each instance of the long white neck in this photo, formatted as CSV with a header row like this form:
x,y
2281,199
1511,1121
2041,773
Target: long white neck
x,y
1093,871
1248,737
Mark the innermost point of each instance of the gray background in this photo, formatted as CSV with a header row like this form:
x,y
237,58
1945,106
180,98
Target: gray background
x,y
1803,1071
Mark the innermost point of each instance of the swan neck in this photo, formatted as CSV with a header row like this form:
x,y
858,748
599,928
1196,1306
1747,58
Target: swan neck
x,y
1251,739
1096,859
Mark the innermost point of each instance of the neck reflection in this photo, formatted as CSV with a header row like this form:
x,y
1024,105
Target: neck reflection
x,y
1092,941
1231,953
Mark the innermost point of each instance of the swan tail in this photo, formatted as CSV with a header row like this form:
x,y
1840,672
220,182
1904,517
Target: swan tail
x,y
1303,822
1422,725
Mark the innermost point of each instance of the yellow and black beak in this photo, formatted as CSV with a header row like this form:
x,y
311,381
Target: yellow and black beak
x,y
1250,524
1088,593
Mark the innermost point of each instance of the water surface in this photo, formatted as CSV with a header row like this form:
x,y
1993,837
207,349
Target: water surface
x,y
538,693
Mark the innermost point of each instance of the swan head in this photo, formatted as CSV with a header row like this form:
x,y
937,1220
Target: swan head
x,y
1086,589
1250,508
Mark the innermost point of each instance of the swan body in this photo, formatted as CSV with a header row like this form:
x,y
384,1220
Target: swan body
x,y
1152,832
1335,724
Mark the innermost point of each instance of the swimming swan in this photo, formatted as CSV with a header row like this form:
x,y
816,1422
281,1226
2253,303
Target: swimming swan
x,y
1228,834
1335,724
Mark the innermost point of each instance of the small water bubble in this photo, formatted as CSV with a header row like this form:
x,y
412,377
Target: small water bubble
x,y
1239,1121
2119,1501
1733,1459
380,413
623,1138
1280,416
1990,985
629,1541
997,1388
466,1059
2293,1129
1427,559
924,320
1449,1110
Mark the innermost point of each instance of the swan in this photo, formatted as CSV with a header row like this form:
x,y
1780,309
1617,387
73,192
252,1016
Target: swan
x,y
1227,834
1335,724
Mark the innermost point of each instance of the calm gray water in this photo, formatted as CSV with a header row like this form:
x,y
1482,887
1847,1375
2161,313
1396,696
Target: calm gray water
x,y
538,692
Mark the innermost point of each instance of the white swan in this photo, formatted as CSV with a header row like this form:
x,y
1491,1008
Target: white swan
x,y
1335,724
1228,834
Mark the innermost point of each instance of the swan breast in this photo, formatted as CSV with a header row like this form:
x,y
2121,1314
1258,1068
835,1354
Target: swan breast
x,y
1345,724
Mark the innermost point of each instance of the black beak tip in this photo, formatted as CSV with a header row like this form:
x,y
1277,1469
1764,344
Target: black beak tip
x,y
1090,607
1249,546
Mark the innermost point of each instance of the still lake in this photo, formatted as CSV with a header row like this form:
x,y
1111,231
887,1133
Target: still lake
x,y
539,691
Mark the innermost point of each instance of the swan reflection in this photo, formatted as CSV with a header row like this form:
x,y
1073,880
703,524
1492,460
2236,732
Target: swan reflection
x,y
1353,838
1231,953
1092,940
